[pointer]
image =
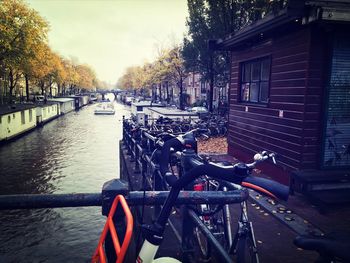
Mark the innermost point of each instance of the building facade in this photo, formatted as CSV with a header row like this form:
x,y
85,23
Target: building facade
x,y
290,88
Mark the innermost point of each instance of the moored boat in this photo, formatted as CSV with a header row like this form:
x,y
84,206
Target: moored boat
x,y
104,109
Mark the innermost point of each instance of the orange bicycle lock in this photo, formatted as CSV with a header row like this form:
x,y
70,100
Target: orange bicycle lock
x,y
99,255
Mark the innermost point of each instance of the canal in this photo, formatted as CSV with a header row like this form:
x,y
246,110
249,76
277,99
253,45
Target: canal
x,y
75,153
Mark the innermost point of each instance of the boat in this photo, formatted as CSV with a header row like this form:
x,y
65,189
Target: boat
x,y
104,109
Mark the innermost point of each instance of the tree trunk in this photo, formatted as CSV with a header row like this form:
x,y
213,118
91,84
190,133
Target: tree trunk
x,y
211,85
154,94
50,90
167,92
11,80
42,86
58,89
181,95
27,86
160,92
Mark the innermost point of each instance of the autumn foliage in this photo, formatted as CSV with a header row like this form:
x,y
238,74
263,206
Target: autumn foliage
x,y
28,64
168,67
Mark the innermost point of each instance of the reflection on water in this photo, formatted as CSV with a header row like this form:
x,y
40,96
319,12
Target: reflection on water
x,y
75,153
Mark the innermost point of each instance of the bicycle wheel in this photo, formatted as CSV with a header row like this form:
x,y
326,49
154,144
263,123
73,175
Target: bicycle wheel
x,y
246,252
222,229
202,246
217,225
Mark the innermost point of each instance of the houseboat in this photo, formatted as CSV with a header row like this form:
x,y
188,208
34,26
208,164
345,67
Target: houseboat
x,y
66,104
16,119
46,112
172,113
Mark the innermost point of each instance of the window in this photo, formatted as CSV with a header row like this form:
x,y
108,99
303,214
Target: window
x,y
138,108
30,115
255,80
203,90
23,119
13,115
336,137
9,119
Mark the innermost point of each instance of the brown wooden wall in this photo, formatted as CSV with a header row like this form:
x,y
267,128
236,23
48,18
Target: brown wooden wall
x,y
295,87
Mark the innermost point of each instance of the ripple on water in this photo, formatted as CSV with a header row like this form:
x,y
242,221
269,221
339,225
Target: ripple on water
x,y
74,153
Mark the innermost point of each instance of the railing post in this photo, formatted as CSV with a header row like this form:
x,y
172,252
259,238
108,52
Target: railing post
x,y
110,190
137,158
157,186
187,236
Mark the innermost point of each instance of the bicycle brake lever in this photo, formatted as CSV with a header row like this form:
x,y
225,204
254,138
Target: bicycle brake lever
x,y
272,156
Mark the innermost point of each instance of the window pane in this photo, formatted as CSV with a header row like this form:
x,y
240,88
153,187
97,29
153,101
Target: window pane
x,y
256,71
245,92
254,92
264,91
246,72
265,69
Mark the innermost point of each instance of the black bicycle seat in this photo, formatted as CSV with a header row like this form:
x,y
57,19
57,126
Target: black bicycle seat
x,y
334,244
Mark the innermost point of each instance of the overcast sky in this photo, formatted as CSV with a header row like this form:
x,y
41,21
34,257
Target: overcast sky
x,y
111,35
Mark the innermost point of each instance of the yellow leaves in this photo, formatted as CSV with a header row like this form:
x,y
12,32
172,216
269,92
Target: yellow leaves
x,y
22,29
169,66
86,76
24,48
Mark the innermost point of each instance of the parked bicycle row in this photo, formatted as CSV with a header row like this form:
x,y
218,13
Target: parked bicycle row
x,y
214,126
168,161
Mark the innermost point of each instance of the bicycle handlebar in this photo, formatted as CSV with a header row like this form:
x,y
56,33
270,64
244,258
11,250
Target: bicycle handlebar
x,y
267,187
238,173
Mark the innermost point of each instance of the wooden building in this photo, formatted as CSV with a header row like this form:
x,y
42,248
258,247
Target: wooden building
x,y
290,88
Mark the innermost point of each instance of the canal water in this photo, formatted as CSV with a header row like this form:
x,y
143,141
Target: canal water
x,y
75,153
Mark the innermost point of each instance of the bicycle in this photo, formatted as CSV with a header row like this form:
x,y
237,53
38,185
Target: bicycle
x,y
244,237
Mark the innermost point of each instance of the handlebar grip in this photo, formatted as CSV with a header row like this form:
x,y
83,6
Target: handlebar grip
x,y
170,178
267,187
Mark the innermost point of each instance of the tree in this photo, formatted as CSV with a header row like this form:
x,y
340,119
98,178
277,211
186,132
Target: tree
x,y
176,70
22,29
212,19
86,76
43,67
60,74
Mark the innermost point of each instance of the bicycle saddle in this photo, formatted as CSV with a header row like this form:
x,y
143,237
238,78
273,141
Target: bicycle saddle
x,y
336,245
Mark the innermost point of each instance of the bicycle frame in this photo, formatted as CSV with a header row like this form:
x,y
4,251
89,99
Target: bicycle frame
x,y
245,230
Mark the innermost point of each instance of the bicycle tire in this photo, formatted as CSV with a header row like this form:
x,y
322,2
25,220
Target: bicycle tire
x,y
245,251
221,229
218,228
202,246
